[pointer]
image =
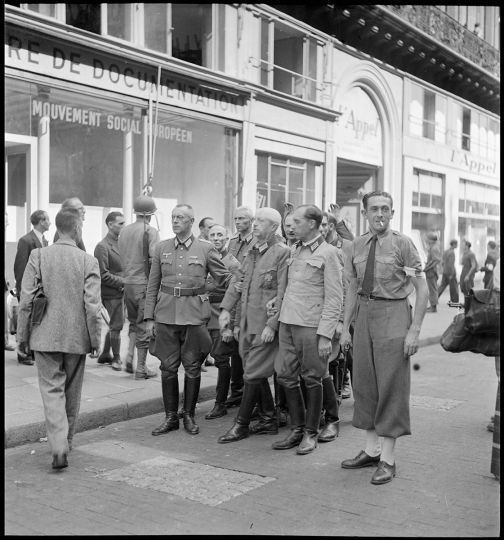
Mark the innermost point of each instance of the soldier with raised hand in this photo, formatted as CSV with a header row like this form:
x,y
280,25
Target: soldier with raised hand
x,y
177,310
265,272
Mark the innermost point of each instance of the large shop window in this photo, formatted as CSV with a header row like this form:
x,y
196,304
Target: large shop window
x,y
93,139
427,114
282,179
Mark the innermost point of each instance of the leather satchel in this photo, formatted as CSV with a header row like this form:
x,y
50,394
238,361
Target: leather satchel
x,y
457,339
482,311
39,300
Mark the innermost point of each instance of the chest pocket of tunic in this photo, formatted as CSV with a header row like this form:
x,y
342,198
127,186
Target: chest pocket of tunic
x,y
384,269
360,266
312,267
269,279
167,265
195,268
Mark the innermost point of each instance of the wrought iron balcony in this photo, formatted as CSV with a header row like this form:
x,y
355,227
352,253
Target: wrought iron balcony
x,y
445,29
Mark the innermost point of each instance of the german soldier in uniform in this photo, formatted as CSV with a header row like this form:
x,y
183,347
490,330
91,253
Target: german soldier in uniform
x,y
265,272
177,311
382,269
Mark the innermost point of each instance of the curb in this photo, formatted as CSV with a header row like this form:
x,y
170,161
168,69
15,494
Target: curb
x,y
30,433
429,341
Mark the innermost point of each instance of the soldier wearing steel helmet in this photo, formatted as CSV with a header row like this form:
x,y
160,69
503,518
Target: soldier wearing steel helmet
x,y
136,249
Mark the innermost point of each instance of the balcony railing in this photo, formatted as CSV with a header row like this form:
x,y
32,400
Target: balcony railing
x,y
451,33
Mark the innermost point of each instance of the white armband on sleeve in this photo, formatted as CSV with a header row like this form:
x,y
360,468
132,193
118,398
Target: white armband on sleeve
x,y
413,272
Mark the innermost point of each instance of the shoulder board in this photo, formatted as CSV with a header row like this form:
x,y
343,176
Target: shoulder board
x,y
235,236
397,233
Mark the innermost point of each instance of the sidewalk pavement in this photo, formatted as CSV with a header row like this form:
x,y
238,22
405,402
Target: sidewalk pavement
x,y
113,396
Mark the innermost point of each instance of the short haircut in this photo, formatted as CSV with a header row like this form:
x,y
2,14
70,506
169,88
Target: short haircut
x,y
491,244
112,217
183,205
37,217
312,212
468,244
246,209
331,218
367,196
67,220
218,225
71,202
201,224
454,243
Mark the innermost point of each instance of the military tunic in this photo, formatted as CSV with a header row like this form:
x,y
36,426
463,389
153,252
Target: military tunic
x,y
178,302
311,308
381,373
265,275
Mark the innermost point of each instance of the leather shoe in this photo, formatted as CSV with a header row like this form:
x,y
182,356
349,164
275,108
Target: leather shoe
x,y
384,473
267,427
104,359
9,347
218,410
147,374
330,432
60,461
171,423
116,365
292,440
308,443
236,433
128,368
28,361
234,401
361,460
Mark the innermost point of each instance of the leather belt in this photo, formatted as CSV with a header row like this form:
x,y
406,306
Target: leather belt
x,y
215,298
182,291
373,297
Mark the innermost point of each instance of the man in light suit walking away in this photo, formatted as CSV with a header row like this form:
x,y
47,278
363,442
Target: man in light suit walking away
x,y
68,330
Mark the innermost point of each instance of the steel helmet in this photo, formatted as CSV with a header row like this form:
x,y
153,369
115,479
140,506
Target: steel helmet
x,y
144,205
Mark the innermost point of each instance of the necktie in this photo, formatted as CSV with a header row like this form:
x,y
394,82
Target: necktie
x,y
368,281
44,242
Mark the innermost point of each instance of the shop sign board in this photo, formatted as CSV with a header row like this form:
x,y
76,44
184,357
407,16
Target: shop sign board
x,y
48,56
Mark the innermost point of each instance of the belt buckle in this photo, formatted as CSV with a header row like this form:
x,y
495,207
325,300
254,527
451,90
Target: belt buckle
x,y
175,289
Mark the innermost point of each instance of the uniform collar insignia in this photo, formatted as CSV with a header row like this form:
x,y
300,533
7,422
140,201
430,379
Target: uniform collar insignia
x,y
313,244
187,243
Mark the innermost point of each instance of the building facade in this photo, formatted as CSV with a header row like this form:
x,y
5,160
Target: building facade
x,y
218,105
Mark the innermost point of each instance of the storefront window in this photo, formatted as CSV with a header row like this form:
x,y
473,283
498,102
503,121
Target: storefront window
x,y
281,180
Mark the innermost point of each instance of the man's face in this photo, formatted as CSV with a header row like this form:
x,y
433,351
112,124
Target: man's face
x,y
243,222
378,213
218,236
45,223
116,225
263,228
182,220
302,226
324,227
80,207
289,228
204,231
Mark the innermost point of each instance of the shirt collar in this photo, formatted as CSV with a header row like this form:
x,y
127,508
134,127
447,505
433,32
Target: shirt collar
x,y
39,235
313,244
187,243
112,237
380,237
247,238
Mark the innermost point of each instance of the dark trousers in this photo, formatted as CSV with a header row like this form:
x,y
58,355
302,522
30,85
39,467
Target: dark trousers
x,y
432,279
452,282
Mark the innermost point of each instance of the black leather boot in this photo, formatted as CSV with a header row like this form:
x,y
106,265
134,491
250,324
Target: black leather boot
x,y
280,402
221,391
170,389
297,413
191,392
236,381
330,404
267,423
313,408
240,429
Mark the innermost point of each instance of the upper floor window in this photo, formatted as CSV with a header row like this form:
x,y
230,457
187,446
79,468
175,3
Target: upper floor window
x,y
427,114
192,33
288,60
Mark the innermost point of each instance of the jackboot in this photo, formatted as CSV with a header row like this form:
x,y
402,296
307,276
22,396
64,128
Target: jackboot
x,y
268,421
131,352
105,356
191,392
170,389
221,392
236,382
280,402
330,404
296,406
240,429
142,371
313,408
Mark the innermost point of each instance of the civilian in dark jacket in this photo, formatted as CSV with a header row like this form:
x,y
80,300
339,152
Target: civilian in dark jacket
x,y
26,244
112,287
